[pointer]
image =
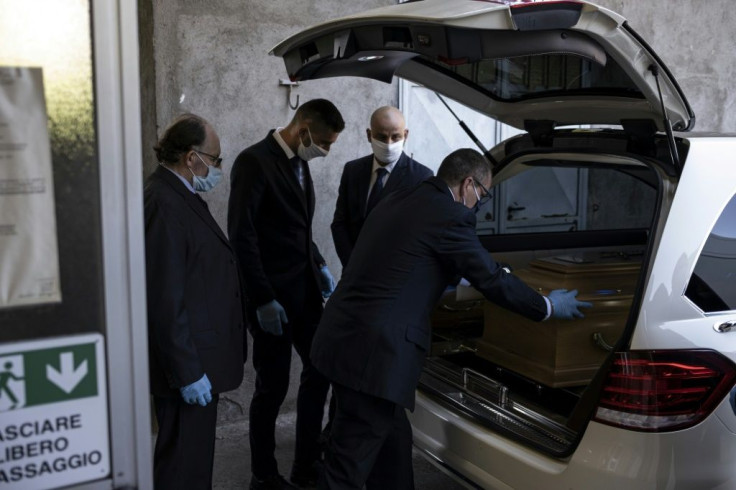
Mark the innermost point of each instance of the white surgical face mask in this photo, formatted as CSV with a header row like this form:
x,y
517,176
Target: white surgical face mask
x,y
307,153
387,153
206,183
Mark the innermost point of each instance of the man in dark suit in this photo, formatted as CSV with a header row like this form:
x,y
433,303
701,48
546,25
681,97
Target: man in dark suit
x,y
270,225
196,337
375,330
366,180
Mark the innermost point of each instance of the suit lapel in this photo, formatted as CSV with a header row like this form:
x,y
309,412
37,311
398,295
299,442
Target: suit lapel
x,y
192,202
309,190
287,172
365,172
397,175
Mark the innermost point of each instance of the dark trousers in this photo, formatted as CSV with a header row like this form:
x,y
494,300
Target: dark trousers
x,y
272,362
185,445
370,444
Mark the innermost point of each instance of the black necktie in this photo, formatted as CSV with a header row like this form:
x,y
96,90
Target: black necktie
x,y
298,165
375,195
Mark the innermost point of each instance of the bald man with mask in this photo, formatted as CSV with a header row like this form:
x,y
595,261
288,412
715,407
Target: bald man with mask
x,y
367,180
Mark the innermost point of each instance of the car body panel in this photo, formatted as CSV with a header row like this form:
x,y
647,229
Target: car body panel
x,y
353,46
669,320
610,457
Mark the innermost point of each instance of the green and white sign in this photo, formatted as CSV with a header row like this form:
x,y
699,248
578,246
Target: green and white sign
x,y
53,413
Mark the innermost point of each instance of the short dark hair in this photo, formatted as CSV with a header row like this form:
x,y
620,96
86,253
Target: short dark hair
x,y
184,132
323,113
463,163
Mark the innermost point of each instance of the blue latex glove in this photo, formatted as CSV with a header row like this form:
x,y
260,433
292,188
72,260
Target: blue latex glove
x,y
327,281
565,305
271,316
197,392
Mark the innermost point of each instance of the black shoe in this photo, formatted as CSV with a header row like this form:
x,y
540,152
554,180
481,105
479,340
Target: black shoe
x,y
274,482
306,476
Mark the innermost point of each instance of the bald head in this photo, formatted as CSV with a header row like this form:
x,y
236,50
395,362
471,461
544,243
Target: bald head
x,y
387,115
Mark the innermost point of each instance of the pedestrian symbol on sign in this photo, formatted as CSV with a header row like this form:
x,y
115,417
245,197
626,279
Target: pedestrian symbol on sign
x,y
12,386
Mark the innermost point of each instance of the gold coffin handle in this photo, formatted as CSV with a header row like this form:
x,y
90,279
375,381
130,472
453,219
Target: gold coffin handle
x,y
601,342
471,306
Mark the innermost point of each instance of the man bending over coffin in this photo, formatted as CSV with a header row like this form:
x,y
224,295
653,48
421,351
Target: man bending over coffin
x,y
375,331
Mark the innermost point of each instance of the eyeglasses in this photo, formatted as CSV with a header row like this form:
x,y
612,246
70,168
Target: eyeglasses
x,y
217,160
486,193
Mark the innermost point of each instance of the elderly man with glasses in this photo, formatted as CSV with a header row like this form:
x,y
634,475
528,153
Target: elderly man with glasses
x,y
196,335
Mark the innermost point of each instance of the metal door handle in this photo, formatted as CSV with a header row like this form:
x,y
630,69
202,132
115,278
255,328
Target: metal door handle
x,y
724,327
510,210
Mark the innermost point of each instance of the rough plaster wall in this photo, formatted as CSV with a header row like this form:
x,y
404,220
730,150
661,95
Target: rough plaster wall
x,y
694,38
211,58
147,67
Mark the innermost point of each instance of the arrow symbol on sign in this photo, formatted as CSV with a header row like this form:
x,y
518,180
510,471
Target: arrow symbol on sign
x,y
68,378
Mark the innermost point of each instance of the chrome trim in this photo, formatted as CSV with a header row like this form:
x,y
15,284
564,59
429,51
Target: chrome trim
x,y
494,405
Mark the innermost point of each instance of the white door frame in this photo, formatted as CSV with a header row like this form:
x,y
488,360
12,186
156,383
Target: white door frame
x,y
117,101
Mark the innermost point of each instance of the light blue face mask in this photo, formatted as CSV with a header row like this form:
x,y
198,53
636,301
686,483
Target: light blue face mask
x,y
206,183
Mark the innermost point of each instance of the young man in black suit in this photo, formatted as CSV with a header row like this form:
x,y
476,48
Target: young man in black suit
x,y
375,330
270,226
196,337
368,179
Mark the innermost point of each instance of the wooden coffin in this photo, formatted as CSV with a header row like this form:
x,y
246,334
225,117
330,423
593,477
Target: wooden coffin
x,y
561,353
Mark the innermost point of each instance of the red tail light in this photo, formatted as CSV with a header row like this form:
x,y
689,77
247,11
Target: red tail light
x,y
658,391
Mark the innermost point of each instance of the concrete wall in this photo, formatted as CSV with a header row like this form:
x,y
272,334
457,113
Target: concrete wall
x,y
694,39
211,58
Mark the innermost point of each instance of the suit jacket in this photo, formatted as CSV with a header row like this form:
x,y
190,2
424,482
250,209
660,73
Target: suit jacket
x,y
352,198
195,310
269,222
375,330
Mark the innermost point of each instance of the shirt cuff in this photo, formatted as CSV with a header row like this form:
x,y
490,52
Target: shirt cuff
x,y
549,308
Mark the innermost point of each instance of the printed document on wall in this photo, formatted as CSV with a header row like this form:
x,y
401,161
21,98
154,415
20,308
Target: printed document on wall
x,y
29,254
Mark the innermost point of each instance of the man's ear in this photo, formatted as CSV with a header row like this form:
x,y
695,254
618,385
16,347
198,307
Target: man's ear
x,y
461,190
464,185
368,134
190,158
302,134
406,134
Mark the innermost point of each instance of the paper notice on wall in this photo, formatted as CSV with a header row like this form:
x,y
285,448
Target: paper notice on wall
x,y
29,255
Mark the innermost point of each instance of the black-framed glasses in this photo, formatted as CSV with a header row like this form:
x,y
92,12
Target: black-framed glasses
x,y
486,193
217,160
